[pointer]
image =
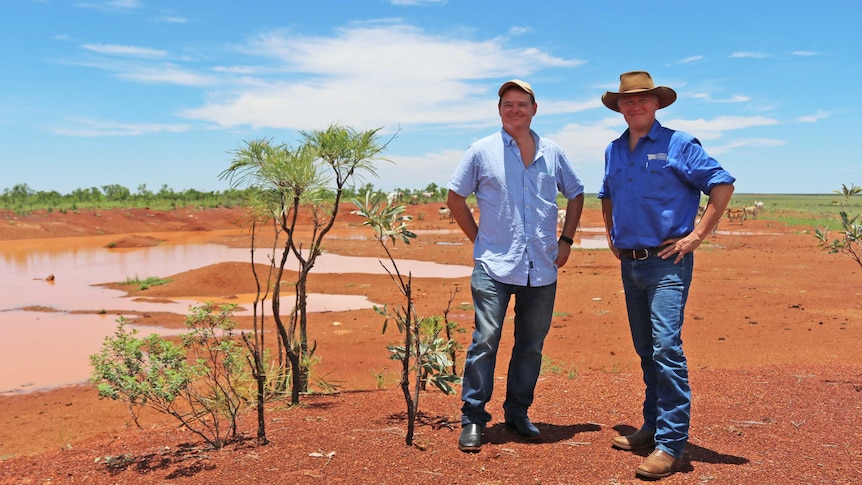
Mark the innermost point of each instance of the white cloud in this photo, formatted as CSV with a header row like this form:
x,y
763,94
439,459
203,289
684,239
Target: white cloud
x,y
413,3
687,60
167,74
749,55
374,75
111,5
240,70
417,171
124,3
93,128
138,64
585,144
805,53
124,50
736,98
743,143
173,20
819,115
565,107
712,129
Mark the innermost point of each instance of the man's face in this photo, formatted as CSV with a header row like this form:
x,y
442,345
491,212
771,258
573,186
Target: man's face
x,y
639,110
516,110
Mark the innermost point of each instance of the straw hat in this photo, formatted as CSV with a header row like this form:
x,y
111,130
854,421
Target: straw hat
x,y
637,82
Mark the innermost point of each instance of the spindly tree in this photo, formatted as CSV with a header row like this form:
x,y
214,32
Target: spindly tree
x,y
290,180
424,352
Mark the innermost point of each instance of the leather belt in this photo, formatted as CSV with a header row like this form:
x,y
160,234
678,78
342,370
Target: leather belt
x,y
639,254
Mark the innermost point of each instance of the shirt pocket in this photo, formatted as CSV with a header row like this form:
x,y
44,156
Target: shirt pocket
x,y
546,186
659,182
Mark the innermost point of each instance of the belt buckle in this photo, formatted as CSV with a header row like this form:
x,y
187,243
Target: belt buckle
x,y
636,254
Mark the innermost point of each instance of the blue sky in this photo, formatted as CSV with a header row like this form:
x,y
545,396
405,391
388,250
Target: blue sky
x,y
135,92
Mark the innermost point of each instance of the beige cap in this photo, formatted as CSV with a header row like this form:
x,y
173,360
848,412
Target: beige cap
x,y
516,83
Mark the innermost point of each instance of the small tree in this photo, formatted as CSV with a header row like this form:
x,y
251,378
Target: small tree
x,y
428,354
198,382
286,181
851,230
255,343
434,356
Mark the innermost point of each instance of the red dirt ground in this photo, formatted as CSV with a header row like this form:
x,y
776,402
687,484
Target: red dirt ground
x,y
772,336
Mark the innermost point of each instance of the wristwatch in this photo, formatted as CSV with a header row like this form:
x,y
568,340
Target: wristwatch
x,y
567,240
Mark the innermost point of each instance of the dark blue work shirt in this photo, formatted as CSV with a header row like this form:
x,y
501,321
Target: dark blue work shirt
x,y
655,190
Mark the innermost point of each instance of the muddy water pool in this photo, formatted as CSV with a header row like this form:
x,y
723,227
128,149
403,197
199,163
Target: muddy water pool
x,y
50,348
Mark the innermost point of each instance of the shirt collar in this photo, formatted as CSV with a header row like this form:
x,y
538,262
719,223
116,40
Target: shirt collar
x,y
653,133
508,140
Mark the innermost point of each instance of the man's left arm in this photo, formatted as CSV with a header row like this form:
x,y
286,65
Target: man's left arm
x,y
719,197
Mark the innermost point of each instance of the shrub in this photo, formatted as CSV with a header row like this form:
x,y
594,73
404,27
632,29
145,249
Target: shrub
x,y
851,230
199,382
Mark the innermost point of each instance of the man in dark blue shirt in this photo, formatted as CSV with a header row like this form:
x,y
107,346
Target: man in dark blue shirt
x,y
650,196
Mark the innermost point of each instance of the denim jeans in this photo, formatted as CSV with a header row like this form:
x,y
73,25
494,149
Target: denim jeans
x,y
656,291
534,308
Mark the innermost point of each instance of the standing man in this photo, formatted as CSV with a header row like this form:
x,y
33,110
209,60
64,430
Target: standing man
x,y
515,175
650,194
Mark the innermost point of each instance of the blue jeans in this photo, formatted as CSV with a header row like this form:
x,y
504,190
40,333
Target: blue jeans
x,y
656,292
534,308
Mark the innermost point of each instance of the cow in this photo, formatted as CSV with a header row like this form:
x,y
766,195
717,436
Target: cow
x,y
393,197
445,213
735,215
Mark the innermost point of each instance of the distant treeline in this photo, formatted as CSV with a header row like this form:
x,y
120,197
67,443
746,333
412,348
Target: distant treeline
x,y
22,198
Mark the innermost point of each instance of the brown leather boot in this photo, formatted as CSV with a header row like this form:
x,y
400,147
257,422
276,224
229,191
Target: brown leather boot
x,y
658,465
643,438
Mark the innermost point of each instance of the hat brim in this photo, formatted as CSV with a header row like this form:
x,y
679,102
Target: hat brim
x,y
666,97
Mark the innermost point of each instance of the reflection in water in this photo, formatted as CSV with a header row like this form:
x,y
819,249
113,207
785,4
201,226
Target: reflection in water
x,y
55,345
52,349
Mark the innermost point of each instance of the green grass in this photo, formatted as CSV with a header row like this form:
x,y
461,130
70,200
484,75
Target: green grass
x,y
549,366
145,283
805,211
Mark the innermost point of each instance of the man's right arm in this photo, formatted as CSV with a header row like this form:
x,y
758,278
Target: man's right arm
x,y
461,213
608,218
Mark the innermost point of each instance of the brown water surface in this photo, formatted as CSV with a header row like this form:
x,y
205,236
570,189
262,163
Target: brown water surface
x,y
43,344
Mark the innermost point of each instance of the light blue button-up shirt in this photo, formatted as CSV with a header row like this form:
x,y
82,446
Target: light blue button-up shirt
x,y
517,239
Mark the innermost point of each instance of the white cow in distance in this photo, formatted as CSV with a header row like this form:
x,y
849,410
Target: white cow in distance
x,y
445,213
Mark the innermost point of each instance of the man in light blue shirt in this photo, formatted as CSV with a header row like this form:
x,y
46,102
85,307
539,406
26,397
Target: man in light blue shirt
x,y
515,175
